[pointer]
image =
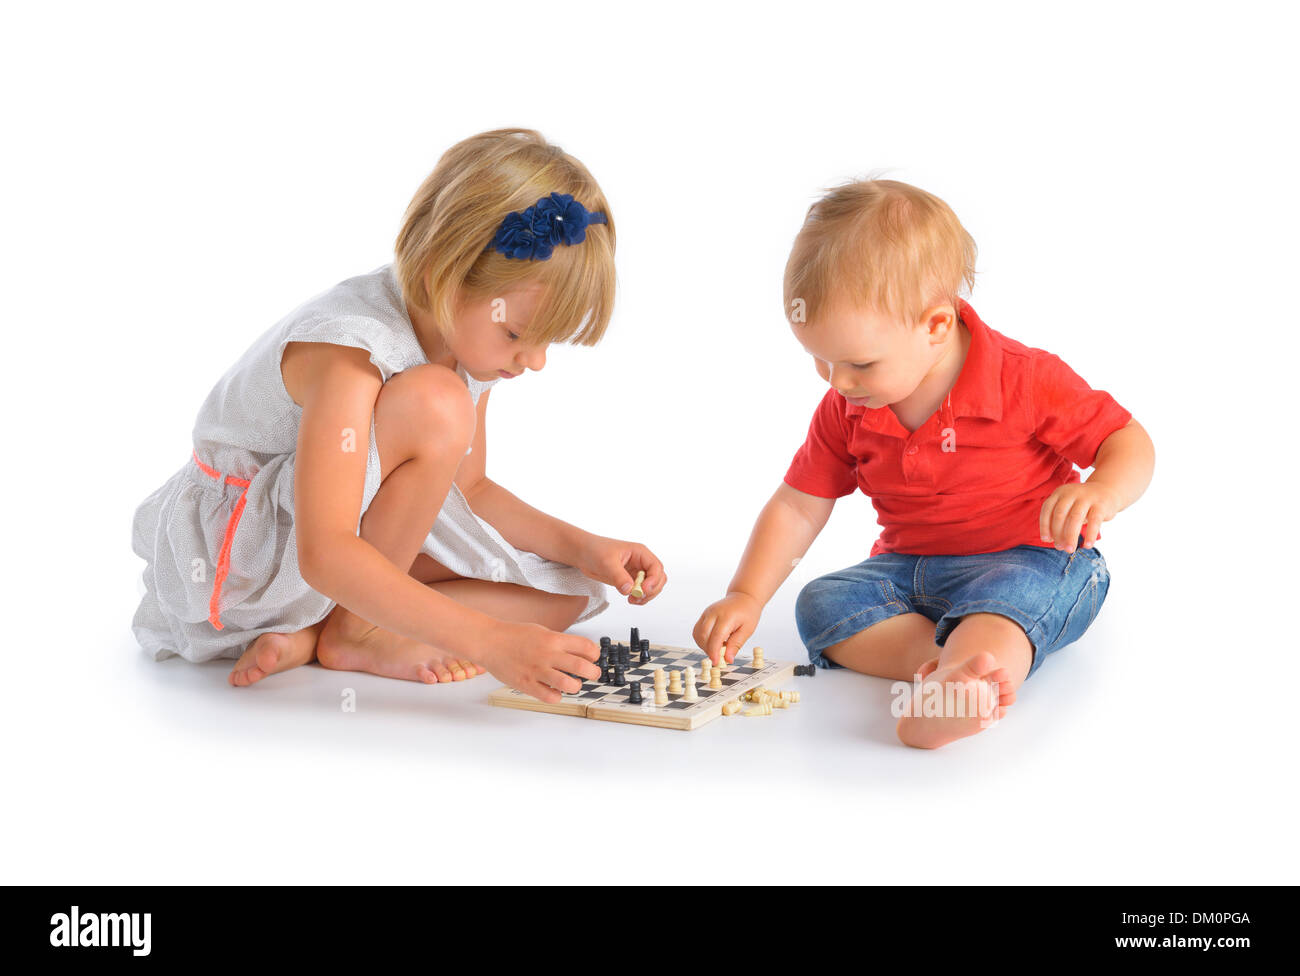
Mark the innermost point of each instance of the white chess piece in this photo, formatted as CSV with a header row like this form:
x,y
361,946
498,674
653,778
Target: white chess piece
x,y
691,693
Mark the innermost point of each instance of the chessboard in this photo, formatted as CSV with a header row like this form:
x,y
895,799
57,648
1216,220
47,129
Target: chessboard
x,y
609,702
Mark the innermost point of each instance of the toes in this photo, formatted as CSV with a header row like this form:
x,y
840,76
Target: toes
x,y
444,674
927,668
982,665
427,676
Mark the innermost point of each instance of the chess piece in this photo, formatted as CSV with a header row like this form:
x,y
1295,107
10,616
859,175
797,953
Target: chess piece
x,y
805,670
674,682
620,676
645,651
661,695
691,693
758,657
715,679
636,590
706,669
635,697
635,640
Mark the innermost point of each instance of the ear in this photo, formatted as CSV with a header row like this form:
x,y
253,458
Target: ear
x,y
939,321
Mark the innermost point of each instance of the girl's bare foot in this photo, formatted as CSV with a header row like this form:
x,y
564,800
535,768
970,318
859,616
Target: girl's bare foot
x,y
349,643
271,653
956,701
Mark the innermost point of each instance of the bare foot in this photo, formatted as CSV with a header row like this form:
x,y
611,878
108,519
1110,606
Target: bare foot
x,y
352,644
271,653
955,702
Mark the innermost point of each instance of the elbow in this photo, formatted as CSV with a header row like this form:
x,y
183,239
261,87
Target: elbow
x,y
309,569
315,564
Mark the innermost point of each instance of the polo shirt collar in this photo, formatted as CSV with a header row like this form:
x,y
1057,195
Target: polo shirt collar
x,y
977,392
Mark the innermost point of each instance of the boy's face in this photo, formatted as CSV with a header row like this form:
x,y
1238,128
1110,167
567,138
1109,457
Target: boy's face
x,y
871,359
486,340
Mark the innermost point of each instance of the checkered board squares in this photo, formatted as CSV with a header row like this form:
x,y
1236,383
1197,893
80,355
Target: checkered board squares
x,y
610,702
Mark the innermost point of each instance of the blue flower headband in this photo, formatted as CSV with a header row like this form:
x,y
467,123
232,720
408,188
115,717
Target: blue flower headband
x,y
532,234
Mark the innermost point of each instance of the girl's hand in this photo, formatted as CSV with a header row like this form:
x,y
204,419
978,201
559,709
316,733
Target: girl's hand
x,y
724,626
1066,510
539,661
616,562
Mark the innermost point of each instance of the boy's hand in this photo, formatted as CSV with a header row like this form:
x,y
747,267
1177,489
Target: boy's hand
x,y
724,626
1066,510
540,662
616,562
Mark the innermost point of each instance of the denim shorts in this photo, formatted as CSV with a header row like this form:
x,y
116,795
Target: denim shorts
x,y
1052,594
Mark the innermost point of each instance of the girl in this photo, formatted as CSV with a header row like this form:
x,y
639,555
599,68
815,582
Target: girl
x,y
300,526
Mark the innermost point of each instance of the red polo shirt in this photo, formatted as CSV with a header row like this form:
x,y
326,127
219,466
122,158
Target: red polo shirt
x,y
972,478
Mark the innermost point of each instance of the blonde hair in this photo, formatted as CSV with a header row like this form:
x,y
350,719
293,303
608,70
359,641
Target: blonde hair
x,y
879,245
451,220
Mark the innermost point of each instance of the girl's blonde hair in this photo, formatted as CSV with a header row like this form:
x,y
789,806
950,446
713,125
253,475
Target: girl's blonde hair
x,y
878,245
454,215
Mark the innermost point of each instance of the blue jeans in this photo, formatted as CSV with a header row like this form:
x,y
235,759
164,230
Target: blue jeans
x,y
1053,595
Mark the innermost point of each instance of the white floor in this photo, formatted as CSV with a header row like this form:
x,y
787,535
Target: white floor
x,y
166,211
1114,766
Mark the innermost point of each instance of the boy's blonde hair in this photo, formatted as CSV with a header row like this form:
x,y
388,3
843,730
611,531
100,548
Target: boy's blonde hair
x,y
456,212
878,245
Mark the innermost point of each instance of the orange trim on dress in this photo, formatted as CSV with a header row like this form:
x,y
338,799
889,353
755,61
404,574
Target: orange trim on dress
x,y
227,541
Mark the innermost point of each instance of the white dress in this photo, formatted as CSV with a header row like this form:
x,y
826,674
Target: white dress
x,y
218,537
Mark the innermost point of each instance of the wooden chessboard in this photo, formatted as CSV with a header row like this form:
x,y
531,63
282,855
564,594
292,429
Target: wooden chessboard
x,y
609,702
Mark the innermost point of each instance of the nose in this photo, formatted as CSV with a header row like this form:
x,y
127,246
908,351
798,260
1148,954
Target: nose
x,y
840,379
534,359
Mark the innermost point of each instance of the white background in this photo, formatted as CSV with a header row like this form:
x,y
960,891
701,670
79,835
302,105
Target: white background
x,y
177,177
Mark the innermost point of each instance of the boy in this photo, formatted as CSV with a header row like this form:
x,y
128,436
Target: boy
x,y
965,440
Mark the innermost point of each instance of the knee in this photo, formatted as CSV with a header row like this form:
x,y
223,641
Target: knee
x,y
563,610
430,404
809,606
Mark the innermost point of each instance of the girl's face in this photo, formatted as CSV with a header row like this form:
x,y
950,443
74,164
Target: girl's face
x,y
870,359
487,336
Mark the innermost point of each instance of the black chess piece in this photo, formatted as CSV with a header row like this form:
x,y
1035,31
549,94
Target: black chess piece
x,y
805,670
620,677
625,655
635,697
636,638
645,650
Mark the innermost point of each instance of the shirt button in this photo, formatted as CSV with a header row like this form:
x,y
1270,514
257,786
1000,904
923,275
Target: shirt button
x,y
912,450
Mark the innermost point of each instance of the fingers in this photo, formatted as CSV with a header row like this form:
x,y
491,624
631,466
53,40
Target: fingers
x,y
1061,521
716,645
561,681
1045,518
640,559
579,666
742,632
1091,528
655,577
542,692
703,627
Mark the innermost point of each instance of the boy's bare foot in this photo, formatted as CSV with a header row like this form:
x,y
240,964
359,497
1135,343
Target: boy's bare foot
x,y
272,653
349,643
955,702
